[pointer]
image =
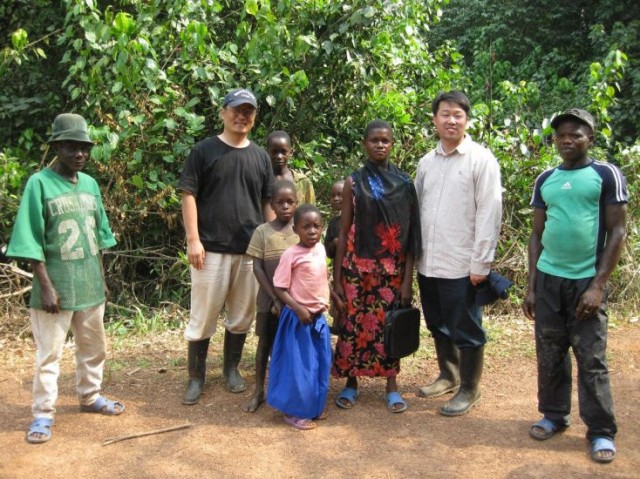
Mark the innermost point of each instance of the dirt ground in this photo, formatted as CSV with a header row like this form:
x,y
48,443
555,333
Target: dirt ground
x,y
148,374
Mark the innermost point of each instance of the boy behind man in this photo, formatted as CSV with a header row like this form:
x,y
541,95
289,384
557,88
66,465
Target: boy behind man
x,y
60,228
280,152
570,262
333,230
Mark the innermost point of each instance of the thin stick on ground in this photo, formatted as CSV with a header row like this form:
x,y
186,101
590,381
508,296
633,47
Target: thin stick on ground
x,y
111,440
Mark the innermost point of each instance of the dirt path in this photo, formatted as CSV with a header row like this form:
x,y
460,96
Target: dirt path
x,y
366,441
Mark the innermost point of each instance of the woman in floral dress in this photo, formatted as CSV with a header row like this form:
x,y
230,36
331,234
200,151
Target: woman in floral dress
x,y
379,240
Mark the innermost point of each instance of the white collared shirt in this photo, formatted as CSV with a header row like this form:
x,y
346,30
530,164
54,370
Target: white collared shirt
x,y
460,198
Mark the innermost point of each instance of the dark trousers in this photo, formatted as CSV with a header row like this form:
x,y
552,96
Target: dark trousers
x,y
450,311
557,329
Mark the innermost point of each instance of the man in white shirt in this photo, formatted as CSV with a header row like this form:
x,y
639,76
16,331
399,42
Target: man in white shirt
x,y
460,196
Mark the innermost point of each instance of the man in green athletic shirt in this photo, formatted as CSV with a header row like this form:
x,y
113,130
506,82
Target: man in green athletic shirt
x,y
60,229
578,233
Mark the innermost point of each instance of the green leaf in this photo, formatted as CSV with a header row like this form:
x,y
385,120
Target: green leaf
x,y
524,150
112,139
137,181
251,6
170,124
19,39
97,153
124,23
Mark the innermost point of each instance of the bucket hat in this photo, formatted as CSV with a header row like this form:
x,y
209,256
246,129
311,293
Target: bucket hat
x,y
70,127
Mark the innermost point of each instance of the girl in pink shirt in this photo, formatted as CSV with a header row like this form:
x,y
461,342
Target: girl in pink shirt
x,y
301,356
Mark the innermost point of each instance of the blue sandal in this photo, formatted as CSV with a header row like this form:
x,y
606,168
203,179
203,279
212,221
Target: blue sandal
x,y
40,425
104,406
602,444
394,398
548,429
347,398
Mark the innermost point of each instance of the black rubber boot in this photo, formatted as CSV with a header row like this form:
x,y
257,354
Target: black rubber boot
x,y
197,365
449,379
233,344
471,361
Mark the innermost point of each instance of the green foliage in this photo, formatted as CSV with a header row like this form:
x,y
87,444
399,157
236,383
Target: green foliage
x,y
139,321
603,87
14,171
29,70
150,77
512,41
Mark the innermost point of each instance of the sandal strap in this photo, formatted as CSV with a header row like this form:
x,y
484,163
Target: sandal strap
x,y
349,394
102,402
395,397
602,444
41,425
547,424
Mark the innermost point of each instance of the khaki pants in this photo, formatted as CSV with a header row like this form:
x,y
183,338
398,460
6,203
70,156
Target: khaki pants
x,y
50,332
225,280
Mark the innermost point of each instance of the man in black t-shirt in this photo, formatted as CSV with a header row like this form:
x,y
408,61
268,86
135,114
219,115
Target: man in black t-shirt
x,y
225,188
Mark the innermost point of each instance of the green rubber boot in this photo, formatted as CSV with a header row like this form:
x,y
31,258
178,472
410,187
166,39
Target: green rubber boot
x,y
471,362
197,366
449,379
233,344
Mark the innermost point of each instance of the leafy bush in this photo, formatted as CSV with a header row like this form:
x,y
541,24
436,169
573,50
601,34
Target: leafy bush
x,y
150,78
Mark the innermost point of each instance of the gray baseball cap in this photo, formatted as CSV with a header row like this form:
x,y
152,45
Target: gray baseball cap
x,y
575,114
70,127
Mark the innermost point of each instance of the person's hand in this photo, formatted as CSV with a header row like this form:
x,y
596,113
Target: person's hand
x,y
406,295
589,303
50,299
196,253
476,279
529,306
276,307
304,315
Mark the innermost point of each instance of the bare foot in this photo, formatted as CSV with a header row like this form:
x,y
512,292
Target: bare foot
x,y
37,437
40,430
605,455
118,408
253,403
104,406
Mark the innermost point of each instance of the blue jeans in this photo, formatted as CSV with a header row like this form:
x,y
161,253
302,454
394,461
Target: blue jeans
x,y
450,311
557,330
